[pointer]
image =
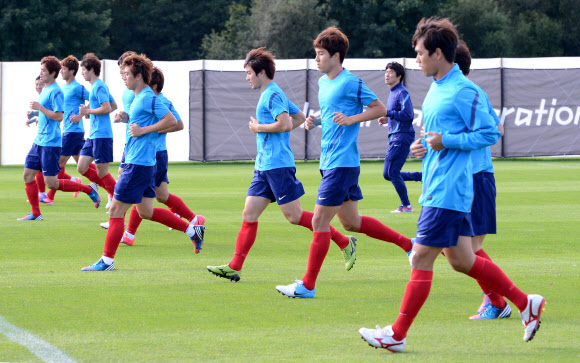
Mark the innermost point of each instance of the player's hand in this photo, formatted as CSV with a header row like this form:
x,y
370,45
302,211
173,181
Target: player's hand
x,y
34,105
254,124
383,120
75,118
341,119
418,149
422,133
83,110
435,141
136,130
121,117
310,123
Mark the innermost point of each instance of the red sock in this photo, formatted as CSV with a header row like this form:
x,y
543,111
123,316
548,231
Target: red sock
x,y
32,194
164,216
134,221
51,193
62,174
374,228
93,176
492,276
244,242
415,296
110,183
71,186
114,236
40,182
340,239
497,300
318,251
176,205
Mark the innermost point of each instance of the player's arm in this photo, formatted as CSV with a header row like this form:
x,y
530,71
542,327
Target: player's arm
x,y
283,124
501,128
105,109
297,119
405,112
178,127
375,110
166,122
53,115
113,106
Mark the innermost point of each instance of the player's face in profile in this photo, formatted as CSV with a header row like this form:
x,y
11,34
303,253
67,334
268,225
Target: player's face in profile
x,y
66,73
426,62
130,80
252,78
86,74
39,85
323,60
391,78
45,76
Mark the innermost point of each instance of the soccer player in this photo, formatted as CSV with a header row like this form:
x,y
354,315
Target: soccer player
x,y
45,151
99,145
341,97
136,185
73,131
483,211
401,134
275,169
175,204
457,121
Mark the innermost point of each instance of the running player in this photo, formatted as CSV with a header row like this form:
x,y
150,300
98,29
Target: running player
x,y
32,117
45,151
274,174
341,97
175,204
399,119
136,185
73,131
457,121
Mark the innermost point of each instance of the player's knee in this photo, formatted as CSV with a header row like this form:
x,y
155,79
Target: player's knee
x,y
386,175
162,198
52,184
350,226
82,169
145,214
459,265
292,218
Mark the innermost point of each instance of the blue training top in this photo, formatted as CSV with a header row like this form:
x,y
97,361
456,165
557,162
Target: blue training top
x,y
52,98
273,147
400,111
128,97
481,158
160,143
75,94
454,109
100,124
146,110
347,94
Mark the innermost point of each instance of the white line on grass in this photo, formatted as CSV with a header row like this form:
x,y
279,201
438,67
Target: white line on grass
x,y
35,345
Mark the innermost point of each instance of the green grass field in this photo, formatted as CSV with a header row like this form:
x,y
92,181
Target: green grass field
x,y
161,304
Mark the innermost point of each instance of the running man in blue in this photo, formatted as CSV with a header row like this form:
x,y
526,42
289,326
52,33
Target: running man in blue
x,y
175,204
73,131
457,121
274,174
136,185
341,97
45,151
99,145
399,120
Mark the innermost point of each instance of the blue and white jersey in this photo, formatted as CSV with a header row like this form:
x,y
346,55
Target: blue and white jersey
x,y
100,124
400,111
481,158
161,144
273,147
453,108
146,110
128,97
346,94
52,98
75,94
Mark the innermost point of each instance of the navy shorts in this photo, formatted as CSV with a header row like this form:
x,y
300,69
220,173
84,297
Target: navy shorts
x,y
483,217
99,149
278,185
438,227
161,168
72,143
338,185
43,158
135,183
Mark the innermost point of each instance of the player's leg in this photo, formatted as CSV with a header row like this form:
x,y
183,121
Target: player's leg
x,y
394,161
31,188
351,220
103,153
61,175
